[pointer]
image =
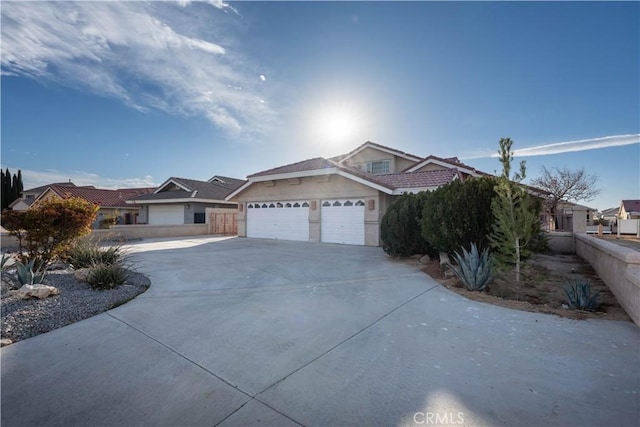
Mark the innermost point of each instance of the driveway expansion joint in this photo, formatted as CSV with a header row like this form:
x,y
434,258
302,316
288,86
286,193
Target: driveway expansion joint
x,y
171,349
347,339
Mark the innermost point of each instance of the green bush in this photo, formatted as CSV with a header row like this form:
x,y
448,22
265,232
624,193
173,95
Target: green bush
x,y
85,254
106,276
580,297
458,213
400,229
474,268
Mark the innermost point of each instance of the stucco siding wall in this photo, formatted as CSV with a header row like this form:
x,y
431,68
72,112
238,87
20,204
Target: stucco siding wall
x,y
397,164
617,266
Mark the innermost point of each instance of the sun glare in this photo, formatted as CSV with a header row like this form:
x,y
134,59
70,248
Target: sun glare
x,y
338,125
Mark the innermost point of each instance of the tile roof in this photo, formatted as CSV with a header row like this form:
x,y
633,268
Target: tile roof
x,y
424,179
195,190
229,182
305,165
44,187
454,161
104,198
631,205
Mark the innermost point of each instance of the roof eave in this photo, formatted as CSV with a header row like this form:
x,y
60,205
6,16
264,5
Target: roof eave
x,y
173,201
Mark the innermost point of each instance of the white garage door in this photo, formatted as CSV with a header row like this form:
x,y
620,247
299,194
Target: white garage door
x,y
288,220
166,215
342,221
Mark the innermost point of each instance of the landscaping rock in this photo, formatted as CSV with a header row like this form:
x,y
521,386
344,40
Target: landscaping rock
x,y
36,291
81,274
5,341
425,260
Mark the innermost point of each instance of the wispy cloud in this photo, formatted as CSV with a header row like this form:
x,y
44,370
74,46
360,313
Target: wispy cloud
x,y
32,179
568,146
142,53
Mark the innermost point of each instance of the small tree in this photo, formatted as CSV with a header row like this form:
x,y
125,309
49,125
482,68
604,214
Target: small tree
x,y
566,184
46,230
400,226
514,213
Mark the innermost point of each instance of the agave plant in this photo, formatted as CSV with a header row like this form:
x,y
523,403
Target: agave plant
x,y
27,274
580,297
474,268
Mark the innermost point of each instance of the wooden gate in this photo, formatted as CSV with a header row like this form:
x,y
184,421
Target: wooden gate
x,y
223,223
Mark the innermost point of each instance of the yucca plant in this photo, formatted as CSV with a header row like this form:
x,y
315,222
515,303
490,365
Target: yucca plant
x,y
580,297
106,276
86,254
473,269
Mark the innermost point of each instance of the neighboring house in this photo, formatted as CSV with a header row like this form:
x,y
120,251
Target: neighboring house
x,y
112,202
19,205
28,196
341,199
564,215
184,201
610,215
629,209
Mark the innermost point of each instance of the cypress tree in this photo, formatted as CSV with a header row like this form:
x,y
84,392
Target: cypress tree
x,y
14,188
20,184
6,189
514,213
3,194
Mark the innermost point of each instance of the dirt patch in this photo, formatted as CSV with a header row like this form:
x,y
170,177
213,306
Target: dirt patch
x,y
540,288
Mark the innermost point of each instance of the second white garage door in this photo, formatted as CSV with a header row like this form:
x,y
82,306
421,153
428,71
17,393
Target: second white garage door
x,y
288,220
166,215
342,221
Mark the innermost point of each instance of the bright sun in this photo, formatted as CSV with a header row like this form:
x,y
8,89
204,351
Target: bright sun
x,y
337,125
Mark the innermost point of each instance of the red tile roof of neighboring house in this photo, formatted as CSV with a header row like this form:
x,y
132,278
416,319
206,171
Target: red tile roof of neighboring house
x,y
631,205
101,197
44,187
305,165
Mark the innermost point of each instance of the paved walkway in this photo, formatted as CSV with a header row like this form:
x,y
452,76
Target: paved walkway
x,y
244,332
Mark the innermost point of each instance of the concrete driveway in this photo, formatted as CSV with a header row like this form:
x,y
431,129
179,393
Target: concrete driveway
x,y
253,332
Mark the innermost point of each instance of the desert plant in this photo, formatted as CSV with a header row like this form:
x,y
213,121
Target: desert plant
x,y
106,276
26,274
85,254
580,297
48,229
4,262
474,268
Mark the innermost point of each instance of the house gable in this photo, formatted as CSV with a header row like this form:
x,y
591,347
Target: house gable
x,y
432,163
377,159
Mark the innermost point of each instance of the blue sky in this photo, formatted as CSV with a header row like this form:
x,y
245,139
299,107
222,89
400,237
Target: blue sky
x,y
125,94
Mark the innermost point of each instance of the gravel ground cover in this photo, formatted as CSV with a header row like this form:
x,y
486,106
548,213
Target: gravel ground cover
x,y
22,319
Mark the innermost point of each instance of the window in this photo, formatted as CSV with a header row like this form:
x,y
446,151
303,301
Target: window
x,y
378,167
198,218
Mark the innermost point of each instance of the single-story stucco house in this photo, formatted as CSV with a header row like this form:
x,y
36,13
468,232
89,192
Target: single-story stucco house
x,y
112,203
629,209
184,201
340,199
